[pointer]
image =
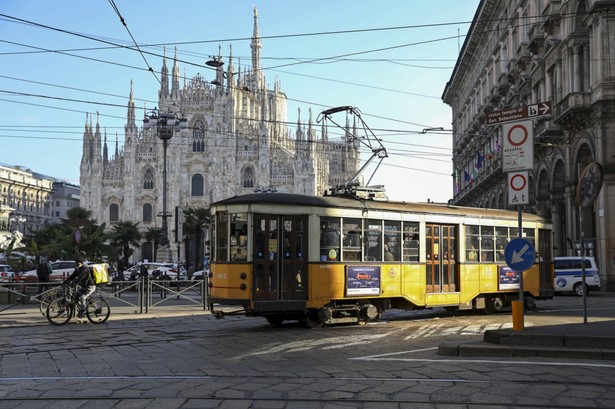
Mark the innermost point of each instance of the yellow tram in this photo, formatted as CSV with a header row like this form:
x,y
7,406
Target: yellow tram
x,y
326,259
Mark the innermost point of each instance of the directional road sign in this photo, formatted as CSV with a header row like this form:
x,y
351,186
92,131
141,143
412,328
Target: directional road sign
x,y
519,254
520,113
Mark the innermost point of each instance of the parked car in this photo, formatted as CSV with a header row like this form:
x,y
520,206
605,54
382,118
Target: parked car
x,y
61,270
569,271
200,275
157,271
6,273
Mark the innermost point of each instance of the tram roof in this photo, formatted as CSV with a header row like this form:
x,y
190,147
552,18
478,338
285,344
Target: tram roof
x,y
352,203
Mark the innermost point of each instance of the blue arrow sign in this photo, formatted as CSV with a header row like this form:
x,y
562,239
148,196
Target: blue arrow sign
x,y
519,254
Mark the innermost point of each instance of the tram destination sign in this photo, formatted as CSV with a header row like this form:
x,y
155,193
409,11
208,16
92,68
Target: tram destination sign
x,y
520,113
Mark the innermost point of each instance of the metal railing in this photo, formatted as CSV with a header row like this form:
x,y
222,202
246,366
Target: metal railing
x,y
143,294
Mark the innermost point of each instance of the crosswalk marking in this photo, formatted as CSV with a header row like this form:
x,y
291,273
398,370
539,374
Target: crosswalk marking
x,y
431,330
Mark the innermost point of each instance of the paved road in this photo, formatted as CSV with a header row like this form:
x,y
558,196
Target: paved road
x,y
188,359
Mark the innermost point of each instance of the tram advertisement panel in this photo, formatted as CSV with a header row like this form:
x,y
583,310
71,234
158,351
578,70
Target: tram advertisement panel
x,y
508,279
362,280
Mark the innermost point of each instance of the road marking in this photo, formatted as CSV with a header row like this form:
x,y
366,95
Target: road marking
x,y
439,330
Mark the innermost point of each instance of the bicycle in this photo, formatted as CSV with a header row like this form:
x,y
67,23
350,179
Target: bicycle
x,y
62,309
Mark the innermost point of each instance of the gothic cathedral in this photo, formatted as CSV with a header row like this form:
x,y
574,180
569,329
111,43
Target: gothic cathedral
x,y
237,141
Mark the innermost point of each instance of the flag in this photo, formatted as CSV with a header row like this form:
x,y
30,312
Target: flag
x,y
466,176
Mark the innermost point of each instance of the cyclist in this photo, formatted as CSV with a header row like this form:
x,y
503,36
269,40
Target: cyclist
x,y
82,277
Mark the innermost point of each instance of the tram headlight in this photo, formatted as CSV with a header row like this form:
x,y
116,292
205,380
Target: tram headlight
x,y
243,276
243,286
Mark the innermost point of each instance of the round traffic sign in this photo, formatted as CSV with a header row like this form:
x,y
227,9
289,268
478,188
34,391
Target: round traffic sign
x,y
517,135
518,182
519,254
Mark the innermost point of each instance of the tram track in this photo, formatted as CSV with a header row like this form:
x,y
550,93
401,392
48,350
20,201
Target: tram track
x,y
218,391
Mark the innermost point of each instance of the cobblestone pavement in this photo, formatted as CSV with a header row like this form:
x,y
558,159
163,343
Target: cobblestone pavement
x,y
187,359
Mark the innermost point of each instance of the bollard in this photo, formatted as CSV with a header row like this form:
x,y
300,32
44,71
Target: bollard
x,y
517,315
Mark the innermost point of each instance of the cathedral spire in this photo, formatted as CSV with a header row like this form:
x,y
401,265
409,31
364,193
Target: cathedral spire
x,y
175,83
256,46
230,71
164,77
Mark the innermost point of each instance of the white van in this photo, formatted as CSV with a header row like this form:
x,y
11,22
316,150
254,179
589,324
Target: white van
x,y
569,274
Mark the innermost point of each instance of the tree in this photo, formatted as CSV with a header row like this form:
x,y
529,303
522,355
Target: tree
x,y
194,221
57,241
125,235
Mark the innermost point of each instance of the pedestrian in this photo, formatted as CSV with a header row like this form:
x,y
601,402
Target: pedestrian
x,y
82,277
43,271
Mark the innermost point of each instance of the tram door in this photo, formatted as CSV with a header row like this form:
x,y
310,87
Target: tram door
x,y
440,242
280,257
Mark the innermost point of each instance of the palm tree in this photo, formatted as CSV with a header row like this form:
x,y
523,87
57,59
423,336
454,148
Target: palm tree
x,y
194,221
125,235
152,236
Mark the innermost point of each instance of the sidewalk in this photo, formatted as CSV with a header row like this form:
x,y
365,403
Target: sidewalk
x,y
591,340
25,315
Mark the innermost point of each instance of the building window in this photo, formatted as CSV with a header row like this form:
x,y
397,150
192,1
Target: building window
x,y
248,178
197,185
148,179
147,212
198,137
114,213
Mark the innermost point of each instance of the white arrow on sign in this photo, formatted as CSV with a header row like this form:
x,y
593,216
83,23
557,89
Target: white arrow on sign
x,y
544,109
518,257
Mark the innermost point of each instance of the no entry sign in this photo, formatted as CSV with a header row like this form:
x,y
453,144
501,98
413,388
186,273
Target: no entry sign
x,y
517,146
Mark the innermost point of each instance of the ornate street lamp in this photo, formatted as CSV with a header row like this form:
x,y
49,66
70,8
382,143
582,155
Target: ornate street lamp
x,y
164,124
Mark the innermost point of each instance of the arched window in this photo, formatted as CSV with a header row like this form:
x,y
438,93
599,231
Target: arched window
x,y
147,212
114,213
198,137
247,178
148,179
197,185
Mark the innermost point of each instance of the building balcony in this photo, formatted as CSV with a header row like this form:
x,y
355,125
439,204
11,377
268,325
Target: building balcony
x,y
573,109
537,38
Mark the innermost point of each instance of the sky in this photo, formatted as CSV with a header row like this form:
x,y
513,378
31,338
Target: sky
x,y
390,59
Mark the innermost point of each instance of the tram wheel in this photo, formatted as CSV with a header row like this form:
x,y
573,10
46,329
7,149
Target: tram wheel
x,y
494,305
275,319
312,320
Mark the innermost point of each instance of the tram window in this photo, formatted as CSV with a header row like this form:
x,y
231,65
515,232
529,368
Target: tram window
x,y
392,241
239,236
472,243
373,243
486,243
260,240
352,239
222,236
501,241
329,239
411,242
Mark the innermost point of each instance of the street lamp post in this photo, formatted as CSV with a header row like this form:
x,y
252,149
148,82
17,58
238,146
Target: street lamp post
x,y
165,124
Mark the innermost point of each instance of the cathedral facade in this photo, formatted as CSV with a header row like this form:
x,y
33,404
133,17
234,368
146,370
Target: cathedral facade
x,y
237,141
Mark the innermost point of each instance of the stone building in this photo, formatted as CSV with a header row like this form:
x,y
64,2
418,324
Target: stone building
x,y
520,53
237,140
25,197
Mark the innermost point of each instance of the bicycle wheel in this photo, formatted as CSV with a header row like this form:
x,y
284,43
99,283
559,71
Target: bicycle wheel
x,y
59,312
97,310
47,297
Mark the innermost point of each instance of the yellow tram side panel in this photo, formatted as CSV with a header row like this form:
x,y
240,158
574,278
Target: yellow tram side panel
x,y
328,282
226,281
